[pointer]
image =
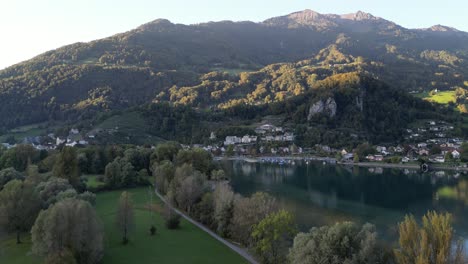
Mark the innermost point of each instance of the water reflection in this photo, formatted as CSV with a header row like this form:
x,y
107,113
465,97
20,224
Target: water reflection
x,y
322,194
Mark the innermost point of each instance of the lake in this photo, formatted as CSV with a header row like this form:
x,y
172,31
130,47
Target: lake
x,y
322,194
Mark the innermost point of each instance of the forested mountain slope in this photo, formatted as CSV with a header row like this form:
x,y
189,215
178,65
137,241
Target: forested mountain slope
x,y
280,58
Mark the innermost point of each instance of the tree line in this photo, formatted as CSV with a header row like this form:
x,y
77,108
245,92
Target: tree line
x,y
58,211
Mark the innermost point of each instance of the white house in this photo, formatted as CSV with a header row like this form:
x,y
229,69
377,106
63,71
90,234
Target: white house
x,y
455,154
422,145
381,149
288,136
439,159
248,139
59,141
212,136
231,140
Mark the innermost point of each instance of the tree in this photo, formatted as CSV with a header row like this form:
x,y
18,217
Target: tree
x,y
121,173
362,150
200,159
248,212
69,225
223,197
218,175
19,207
464,152
113,174
19,157
163,174
32,173
9,174
204,210
356,158
125,216
230,151
435,150
341,243
187,187
66,167
431,243
172,219
166,151
49,190
273,235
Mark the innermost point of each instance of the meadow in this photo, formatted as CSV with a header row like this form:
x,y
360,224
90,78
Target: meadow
x,y
185,245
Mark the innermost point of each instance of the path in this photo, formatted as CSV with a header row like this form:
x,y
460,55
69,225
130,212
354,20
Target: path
x,y
237,249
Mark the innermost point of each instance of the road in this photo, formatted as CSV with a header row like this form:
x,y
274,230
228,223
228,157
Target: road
x,y
235,248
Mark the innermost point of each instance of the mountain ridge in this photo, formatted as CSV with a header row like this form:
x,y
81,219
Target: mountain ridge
x,y
266,62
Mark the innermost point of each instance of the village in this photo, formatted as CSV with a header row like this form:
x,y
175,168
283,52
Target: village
x,y
428,143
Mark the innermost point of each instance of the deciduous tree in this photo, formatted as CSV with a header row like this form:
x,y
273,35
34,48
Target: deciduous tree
x,y
431,243
69,225
223,197
66,167
125,216
273,236
19,207
341,243
249,211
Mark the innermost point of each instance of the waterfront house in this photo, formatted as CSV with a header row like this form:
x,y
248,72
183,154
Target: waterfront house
x,y
438,159
378,158
423,152
232,140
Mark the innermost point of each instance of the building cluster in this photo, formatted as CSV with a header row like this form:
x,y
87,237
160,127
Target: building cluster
x,y
264,133
51,141
430,129
436,151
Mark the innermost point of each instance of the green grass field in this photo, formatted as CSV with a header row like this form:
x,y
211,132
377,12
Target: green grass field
x,y
185,245
443,97
93,182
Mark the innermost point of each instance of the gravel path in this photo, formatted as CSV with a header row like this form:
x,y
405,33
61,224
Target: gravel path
x,y
235,248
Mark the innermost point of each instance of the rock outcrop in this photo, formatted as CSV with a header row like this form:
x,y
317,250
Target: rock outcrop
x,y
327,107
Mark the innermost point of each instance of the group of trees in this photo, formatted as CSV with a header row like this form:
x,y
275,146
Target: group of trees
x,y
130,169
66,229
430,243
192,183
62,220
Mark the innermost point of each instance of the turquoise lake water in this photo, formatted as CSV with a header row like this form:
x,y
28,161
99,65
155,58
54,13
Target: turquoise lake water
x,y
322,194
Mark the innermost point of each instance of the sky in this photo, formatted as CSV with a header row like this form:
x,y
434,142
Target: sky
x,y
31,27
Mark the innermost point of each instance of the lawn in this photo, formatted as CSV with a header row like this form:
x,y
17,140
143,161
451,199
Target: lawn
x,y
443,97
93,182
12,253
185,245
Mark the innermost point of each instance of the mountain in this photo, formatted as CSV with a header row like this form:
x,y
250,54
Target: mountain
x,y
218,65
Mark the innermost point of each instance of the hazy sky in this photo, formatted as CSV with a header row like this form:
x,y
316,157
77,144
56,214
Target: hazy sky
x,y
30,27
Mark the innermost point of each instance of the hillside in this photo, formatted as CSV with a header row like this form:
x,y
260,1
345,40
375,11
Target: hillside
x,y
342,110
277,59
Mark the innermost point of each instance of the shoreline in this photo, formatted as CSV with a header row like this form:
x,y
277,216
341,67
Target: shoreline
x,y
333,161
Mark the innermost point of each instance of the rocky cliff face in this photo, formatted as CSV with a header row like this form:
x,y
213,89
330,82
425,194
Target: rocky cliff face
x,y
327,107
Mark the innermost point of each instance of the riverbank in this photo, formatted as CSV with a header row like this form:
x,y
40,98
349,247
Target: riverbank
x,y
334,161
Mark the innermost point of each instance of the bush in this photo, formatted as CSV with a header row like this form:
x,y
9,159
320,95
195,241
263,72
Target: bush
x,y
172,219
